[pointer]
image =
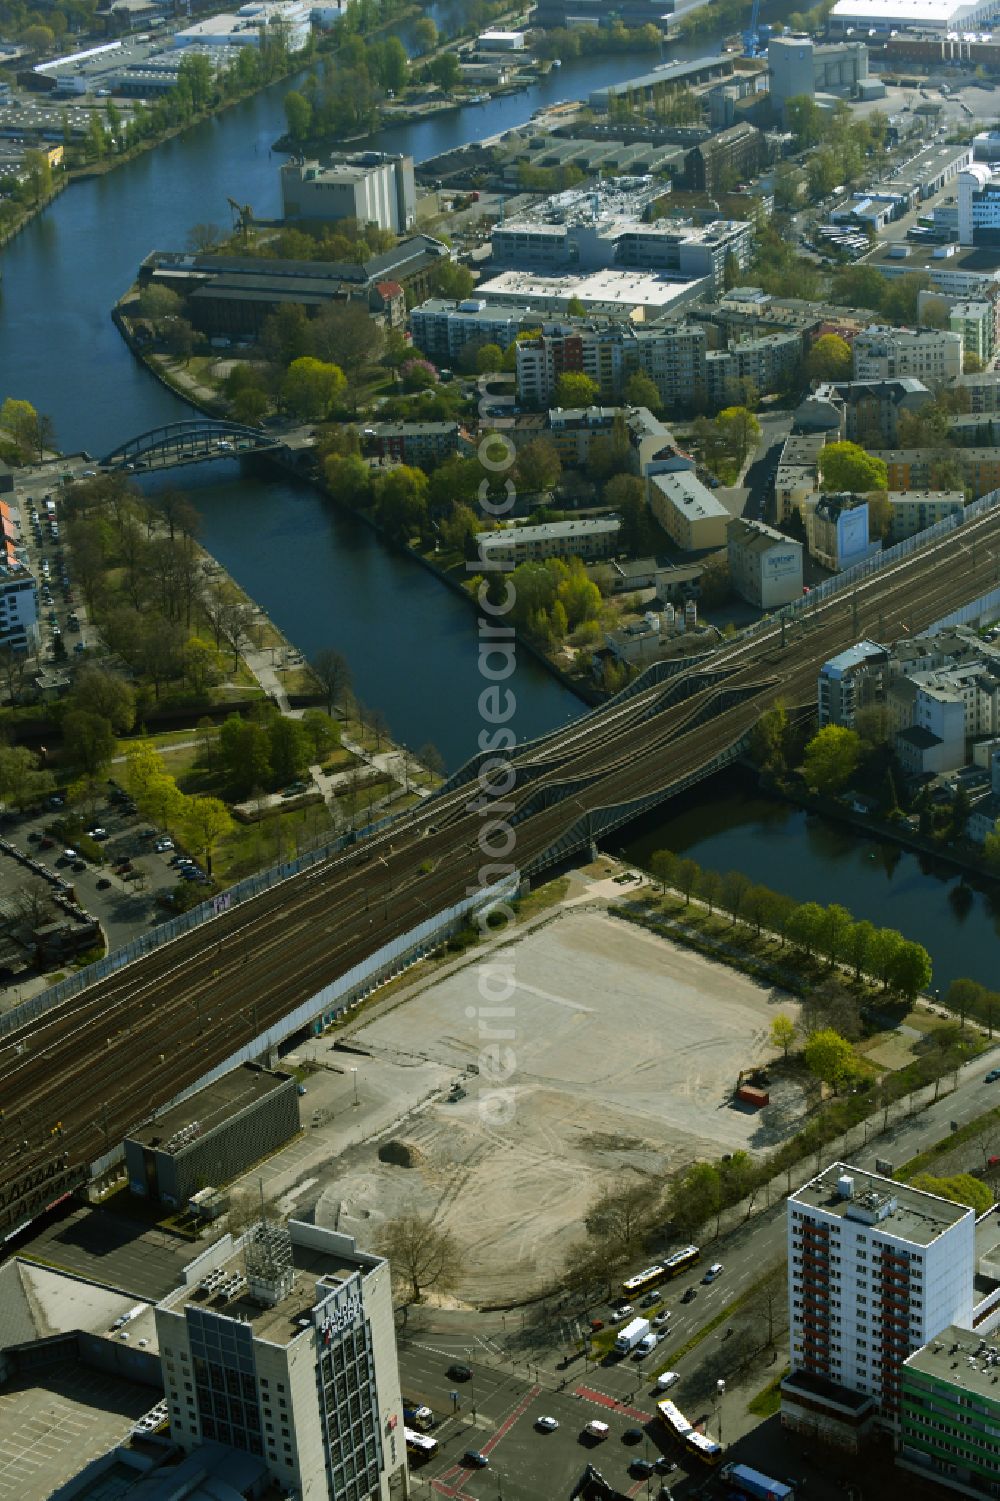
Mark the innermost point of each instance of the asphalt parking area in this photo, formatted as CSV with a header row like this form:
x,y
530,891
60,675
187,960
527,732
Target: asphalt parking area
x,y
51,1427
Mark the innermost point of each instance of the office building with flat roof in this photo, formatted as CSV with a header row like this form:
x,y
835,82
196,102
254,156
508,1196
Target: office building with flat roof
x,y
949,1415
283,1347
214,1135
372,187
875,1270
688,511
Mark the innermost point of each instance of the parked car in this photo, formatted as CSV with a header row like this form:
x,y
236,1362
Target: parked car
x,y
546,1425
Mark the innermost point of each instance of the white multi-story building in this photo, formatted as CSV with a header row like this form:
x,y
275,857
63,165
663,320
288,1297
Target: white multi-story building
x,y
875,1270
371,188
246,27
765,566
979,205
591,537
673,356
18,610
587,230
930,354
286,1350
443,328
975,322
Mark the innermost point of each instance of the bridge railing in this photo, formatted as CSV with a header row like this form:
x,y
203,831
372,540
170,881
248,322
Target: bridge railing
x,y
175,927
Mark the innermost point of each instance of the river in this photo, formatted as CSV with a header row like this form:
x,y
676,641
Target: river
x,y
323,578
725,824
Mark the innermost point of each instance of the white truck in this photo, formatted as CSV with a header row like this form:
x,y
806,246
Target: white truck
x,y
631,1335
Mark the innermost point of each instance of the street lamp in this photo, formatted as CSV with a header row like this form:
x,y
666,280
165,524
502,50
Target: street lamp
x,y
355,1073
720,1392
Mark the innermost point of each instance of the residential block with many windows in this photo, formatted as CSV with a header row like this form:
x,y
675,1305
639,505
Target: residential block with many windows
x,y
875,1270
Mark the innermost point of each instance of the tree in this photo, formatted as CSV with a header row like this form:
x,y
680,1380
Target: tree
x,y
202,666
830,1058
768,739
289,748
205,820
622,1217
883,951
425,35
401,501
245,754
685,878
345,335
783,1033
21,782
311,388
321,731
709,889
445,71
299,115
695,1196
663,865
20,420
420,1252
846,466
489,357
716,580
735,885
830,358
965,997
960,1188
538,465
857,946
833,932
831,758
334,674
640,391
803,926
100,692
574,389
739,430
202,237
89,741
911,969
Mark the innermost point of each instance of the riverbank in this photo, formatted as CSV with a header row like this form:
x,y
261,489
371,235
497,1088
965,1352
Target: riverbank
x,y
207,403
33,210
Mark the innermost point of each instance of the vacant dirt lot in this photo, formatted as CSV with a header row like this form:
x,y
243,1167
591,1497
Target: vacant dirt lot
x,y
624,1051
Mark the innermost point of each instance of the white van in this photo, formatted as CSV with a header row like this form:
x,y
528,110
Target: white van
x,y
596,1429
665,1381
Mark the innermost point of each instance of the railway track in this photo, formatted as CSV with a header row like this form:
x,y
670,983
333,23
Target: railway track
x,y
75,1080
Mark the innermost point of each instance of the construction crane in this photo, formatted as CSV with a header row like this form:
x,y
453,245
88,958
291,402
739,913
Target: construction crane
x,y
242,217
755,37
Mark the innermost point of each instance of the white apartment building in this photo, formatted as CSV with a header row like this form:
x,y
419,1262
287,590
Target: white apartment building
x,y
285,1349
673,356
979,205
443,328
930,354
875,1270
764,564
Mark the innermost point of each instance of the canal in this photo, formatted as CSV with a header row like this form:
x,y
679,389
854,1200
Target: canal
x,y
725,824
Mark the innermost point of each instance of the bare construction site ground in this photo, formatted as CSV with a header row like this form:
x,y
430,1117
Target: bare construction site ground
x,y
625,1050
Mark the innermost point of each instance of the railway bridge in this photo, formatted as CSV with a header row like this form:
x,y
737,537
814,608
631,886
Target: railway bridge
x,y
127,1039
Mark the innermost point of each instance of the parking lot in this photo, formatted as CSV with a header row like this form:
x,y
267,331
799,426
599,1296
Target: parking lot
x,y
54,1424
124,893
